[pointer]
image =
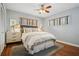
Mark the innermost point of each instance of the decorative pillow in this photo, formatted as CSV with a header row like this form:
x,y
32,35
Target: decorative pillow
x,y
26,30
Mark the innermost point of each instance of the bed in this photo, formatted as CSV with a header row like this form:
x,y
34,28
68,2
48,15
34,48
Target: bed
x,y
35,41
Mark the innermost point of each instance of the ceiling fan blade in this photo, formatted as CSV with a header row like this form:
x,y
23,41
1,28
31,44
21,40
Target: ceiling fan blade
x,y
48,7
46,11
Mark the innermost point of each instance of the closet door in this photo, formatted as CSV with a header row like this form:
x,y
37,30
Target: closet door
x,y
2,28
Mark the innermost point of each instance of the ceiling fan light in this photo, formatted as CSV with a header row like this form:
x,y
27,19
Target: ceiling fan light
x,y
43,11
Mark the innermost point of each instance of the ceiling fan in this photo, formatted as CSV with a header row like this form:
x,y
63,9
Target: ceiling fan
x,y
44,8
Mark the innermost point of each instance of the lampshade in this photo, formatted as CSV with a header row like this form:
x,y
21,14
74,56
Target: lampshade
x,y
17,28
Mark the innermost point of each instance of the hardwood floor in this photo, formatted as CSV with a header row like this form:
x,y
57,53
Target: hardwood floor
x,y
67,50
7,50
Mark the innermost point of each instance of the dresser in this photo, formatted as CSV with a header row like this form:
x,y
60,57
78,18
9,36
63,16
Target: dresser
x,y
13,37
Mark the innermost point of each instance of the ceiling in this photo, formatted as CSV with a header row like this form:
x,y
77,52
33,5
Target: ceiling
x,y
29,8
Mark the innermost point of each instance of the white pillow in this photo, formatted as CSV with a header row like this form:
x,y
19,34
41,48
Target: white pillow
x,y
26,30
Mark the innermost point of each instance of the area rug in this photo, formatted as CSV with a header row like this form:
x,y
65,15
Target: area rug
x,y
20,51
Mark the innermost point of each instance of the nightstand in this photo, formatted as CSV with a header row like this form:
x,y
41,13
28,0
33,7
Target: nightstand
x,y
13,37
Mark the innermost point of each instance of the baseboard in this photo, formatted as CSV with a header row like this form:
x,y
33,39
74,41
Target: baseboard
x,y
68,43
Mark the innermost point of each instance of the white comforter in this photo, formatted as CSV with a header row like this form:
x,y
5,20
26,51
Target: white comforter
x,y
33,37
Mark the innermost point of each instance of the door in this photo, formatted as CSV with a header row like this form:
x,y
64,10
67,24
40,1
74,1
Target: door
x,y
2,28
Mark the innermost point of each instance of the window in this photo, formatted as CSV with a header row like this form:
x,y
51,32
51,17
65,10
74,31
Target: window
x,y
59,21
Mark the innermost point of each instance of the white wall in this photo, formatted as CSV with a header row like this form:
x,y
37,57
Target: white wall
x,y
68,33
16,15
2,27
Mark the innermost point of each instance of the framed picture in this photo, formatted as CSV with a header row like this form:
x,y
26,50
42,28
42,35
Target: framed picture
x,y
13,22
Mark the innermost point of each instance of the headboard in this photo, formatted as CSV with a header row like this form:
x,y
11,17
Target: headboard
x,y
29,22
29,25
